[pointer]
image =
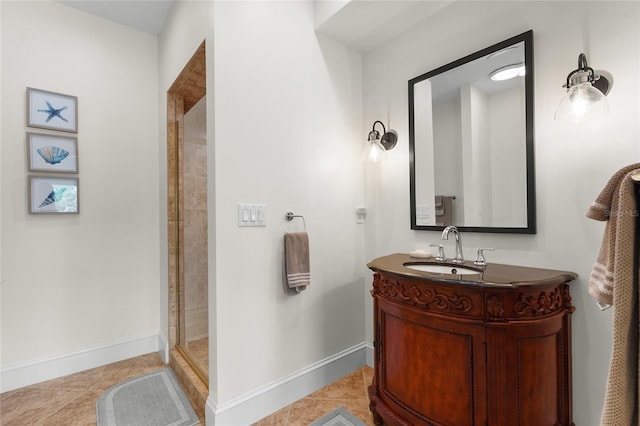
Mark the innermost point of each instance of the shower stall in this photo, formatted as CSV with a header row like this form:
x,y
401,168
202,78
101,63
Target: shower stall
x,y
187,229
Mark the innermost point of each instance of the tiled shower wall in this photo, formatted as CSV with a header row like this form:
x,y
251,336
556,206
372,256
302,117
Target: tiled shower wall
x,y
195,223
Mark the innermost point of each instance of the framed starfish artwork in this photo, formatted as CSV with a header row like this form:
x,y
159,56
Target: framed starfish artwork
x,y
50,110
53,195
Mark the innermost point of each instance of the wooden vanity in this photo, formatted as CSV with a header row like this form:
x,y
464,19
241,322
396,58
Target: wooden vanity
x,y
486,349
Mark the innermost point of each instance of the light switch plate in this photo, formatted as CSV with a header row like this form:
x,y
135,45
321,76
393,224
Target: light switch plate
x,y
252,215
361,213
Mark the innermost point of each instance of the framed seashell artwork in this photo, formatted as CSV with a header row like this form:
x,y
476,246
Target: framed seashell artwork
x,y
53,195
52,153
50,110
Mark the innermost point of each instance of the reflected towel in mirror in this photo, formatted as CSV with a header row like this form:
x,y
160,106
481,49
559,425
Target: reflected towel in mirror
x,y
444,210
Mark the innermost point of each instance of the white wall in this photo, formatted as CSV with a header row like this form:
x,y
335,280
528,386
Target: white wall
x,y
572,162
1,198
475,139
284,129
75,283
287,134
448,150
508,159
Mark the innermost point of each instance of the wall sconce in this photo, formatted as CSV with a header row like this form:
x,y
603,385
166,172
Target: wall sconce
x,y
586,93
377,145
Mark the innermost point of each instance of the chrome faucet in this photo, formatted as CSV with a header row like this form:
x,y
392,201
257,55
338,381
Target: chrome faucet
x,y
459,258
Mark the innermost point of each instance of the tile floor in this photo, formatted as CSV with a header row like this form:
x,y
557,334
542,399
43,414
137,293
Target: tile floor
x,y
71,400
349,392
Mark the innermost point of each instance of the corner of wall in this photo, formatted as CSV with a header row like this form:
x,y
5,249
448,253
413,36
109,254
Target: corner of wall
x,y
163,347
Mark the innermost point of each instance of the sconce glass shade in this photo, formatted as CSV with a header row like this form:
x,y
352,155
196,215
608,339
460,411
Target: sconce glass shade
x,y
582,101
377,146
374,152
586,94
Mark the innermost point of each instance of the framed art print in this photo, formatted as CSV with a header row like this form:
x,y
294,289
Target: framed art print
x,y
50,110
53,195
52,153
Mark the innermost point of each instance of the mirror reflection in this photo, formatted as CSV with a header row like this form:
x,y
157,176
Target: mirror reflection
x,y
471,142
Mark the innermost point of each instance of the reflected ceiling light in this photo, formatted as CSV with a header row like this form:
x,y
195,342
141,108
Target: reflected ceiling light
x,y
377,145
508,72
586,93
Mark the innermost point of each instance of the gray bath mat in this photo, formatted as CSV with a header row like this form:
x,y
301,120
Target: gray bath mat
x,y
154,399
338,417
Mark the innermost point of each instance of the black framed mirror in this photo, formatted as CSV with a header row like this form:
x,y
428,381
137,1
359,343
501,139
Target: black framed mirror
x,y
471,157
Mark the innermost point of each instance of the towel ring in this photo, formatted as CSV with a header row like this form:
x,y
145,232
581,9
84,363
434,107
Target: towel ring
x,y
289,216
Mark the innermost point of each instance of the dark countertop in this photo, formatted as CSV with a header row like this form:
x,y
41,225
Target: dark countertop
x,y
493,274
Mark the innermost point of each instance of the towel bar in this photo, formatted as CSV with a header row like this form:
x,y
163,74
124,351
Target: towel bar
x,y
289,216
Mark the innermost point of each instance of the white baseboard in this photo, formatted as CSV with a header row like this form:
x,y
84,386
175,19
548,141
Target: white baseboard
x,y
24,374
369,354
163,347
253,406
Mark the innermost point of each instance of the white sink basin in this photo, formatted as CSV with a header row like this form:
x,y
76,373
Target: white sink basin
x,y
441,269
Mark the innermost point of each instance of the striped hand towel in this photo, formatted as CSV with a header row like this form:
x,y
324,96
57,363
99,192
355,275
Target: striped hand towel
x,y
616,205
613,281
297,264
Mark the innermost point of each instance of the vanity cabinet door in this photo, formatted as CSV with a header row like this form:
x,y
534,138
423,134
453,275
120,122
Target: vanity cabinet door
x,y
429,370
528,373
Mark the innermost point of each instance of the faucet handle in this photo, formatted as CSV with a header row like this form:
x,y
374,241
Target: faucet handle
x,y
480,260
440,256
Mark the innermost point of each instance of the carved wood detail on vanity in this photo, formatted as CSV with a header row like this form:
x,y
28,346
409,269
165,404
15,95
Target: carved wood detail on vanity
x,y
495,308
432,297
543,303
528,304
469,350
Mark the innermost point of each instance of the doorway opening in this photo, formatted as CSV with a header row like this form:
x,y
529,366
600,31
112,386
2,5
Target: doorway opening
x,y
187,220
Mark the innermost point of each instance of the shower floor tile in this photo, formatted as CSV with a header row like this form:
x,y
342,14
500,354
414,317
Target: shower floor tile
x,y
199,353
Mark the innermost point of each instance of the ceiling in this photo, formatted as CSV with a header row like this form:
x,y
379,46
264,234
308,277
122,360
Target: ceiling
x,y
144,15
362,25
